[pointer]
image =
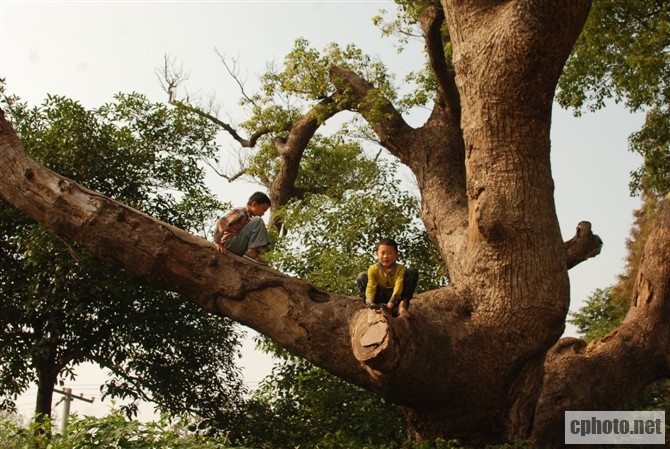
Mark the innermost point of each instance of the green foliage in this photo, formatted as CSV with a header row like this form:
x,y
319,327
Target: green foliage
x,y
330,165
289,91
653,143
111,431
59,307
403,25
114,431
328,240
656,396
159,149
516,444
622,55
332,162
314,84
599,316
303,406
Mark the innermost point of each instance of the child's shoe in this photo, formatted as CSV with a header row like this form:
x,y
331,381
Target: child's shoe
x,y
254,254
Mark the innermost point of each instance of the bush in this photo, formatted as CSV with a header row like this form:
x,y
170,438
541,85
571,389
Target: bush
x,y
110,432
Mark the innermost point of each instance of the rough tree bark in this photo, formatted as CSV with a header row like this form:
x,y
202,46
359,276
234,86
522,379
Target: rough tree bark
x,y
481,359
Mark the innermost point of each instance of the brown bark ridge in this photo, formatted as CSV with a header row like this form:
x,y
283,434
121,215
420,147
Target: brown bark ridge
x,y
479,360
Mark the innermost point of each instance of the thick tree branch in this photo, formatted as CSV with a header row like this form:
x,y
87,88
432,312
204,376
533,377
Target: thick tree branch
x,y
292,147
306,320
359,95
613,369
432,21
366,347
584,245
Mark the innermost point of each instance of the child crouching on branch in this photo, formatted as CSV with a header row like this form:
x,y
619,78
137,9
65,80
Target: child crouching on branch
x,y
387,282
242,230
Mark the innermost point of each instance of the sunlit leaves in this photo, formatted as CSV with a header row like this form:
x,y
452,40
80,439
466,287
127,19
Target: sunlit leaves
x,y
404,26
305,71
598,316
333,165
303,80
304,406
622,55
653,143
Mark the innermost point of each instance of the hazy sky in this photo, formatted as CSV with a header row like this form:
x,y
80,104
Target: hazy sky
x,y
88,51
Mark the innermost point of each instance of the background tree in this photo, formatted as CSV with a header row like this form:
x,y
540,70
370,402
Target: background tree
x,y
481,359
60,307
287,151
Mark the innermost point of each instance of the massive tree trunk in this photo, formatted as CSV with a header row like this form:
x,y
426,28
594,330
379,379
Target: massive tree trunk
x,y
479,360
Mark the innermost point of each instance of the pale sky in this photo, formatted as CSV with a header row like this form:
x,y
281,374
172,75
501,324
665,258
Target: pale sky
x,y
88,51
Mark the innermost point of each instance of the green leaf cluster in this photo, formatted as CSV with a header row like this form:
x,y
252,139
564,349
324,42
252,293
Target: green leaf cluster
x,y
60,307
111,431
328,240
301,84
144,154
303,406
114,431
419,86
599,316
622,55
331,165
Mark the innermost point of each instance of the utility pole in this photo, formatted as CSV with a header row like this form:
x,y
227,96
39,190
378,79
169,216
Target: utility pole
x,y
67,398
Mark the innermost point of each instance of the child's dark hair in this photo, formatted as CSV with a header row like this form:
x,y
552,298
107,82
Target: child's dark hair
x,y
259,198
387,242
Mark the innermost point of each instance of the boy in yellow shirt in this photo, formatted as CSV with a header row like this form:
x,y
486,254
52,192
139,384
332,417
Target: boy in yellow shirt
x,y
387,282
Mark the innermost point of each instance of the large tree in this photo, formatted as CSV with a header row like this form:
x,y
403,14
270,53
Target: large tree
x,y
480,359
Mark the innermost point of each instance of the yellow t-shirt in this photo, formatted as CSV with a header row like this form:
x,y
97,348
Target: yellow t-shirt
x,y
380,278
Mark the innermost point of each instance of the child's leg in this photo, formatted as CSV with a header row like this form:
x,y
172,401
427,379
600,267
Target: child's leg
x,y
362,283
255,255
402,309
251,239
410,281
256,234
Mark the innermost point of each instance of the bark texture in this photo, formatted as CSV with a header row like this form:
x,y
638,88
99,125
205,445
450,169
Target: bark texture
x,y
479,360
